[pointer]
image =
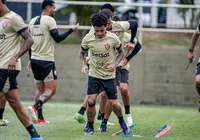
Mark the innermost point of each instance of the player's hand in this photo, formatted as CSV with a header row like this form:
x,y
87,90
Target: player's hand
x,y
131,46
12,64
112,67
84,69
29,66
124,62
87,60
75,27
191,56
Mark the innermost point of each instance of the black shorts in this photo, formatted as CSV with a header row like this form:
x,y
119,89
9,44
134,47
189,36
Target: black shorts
x,y
43,70
8,80
198,69
122,76
109,85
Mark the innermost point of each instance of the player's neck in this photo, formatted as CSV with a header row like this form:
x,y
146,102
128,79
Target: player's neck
x,y
45,13
4,10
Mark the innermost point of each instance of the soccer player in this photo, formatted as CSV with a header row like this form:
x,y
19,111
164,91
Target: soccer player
x,y
44,31
195,37
79,116
11,30
103,48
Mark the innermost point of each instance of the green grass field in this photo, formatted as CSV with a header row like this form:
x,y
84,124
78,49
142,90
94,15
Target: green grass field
x,y
149,119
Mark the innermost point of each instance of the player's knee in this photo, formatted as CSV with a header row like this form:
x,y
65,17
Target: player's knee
x,y
114,103
103,94
198,81
123,88
91,104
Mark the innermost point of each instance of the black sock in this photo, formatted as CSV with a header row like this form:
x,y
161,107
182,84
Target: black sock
x,y
127,109
32,131
82,110
104,122
40,115
99,115
91,124
121,119
1,113
102,116
38,104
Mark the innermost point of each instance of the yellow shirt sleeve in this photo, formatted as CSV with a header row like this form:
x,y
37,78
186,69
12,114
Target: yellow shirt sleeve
x,y
18,23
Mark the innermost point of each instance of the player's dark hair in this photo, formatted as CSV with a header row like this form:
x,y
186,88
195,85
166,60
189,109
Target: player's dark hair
x,y
108,6
99,19
3,1
116,18
107,12
46,3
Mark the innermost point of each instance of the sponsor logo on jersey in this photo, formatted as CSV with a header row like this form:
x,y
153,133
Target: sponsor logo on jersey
x,y
107,46
100,54
5,24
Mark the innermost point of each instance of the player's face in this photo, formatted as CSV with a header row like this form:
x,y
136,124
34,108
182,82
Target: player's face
x,y
100,31
109,24
52,10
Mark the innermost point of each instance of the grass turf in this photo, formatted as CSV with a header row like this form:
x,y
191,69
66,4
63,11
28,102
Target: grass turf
x,y
148,118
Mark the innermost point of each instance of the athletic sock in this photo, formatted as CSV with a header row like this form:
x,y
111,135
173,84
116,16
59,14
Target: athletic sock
x,y
40,114
82,110
38,104
32,131
1,113
127,109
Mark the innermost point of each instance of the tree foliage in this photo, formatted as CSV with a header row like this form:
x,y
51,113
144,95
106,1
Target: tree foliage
x,y
183,11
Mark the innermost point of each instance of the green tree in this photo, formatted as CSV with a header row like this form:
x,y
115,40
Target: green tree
x,y
182,11
83,12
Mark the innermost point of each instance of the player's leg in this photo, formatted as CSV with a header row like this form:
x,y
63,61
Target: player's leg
x,y
111,90
105,109
10,88
198,82
102,105
45,77
123,87
92,92
79,116
3,122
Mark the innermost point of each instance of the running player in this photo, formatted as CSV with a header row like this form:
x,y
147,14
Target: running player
x,y
11,30
44,31
103,48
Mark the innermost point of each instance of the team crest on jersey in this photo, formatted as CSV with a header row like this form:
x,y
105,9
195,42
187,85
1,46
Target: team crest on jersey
x,y
5,24
117,33
107,46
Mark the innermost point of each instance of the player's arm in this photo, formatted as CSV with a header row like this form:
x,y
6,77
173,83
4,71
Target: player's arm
x,y
60,37
120,55
134,52
28,42
133,27
195,37
83,60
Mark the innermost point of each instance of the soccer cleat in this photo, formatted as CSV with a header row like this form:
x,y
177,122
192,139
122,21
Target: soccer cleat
x,y
129,120
125,129
32,112
34,138
4,122
199,106
86,127
42,121
89,131
80,118
103,128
